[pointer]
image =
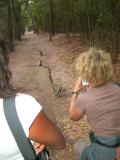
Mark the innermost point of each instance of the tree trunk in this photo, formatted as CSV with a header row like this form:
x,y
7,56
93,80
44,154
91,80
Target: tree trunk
x,y
88,24
10,26
51,20
17,14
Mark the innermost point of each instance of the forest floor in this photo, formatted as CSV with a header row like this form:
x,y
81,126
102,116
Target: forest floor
x,y
60,55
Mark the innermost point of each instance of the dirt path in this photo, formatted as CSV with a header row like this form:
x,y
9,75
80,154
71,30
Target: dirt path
x,y
36,82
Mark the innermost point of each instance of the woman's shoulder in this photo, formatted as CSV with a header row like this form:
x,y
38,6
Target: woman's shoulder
x,y
26,99
24,96
116,84
114,87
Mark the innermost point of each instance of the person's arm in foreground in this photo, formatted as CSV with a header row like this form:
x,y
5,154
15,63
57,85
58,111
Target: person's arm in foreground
x,y
45,132
74,114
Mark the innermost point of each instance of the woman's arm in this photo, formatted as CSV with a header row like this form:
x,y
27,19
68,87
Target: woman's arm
x,y
74,114
44,131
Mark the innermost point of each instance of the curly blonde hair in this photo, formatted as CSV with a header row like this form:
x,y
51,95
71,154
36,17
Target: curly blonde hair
x,y
95,66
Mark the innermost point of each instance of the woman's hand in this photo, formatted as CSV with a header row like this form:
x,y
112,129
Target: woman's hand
x,y
39,148
78,85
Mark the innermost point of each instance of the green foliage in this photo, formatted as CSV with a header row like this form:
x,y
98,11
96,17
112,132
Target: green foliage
x,y
97,20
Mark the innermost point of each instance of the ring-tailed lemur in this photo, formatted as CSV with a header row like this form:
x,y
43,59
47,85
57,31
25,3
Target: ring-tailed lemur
x,y
57,92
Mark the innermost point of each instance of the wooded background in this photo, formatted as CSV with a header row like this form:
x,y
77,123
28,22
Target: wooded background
x,y
95,20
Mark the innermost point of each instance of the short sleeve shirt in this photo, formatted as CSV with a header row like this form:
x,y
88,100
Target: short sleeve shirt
x,y
27,108
102,108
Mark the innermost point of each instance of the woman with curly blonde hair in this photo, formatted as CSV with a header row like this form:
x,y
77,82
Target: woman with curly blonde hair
x,y
101,105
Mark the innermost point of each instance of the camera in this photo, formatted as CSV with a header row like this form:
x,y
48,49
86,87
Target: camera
x,y
85,83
